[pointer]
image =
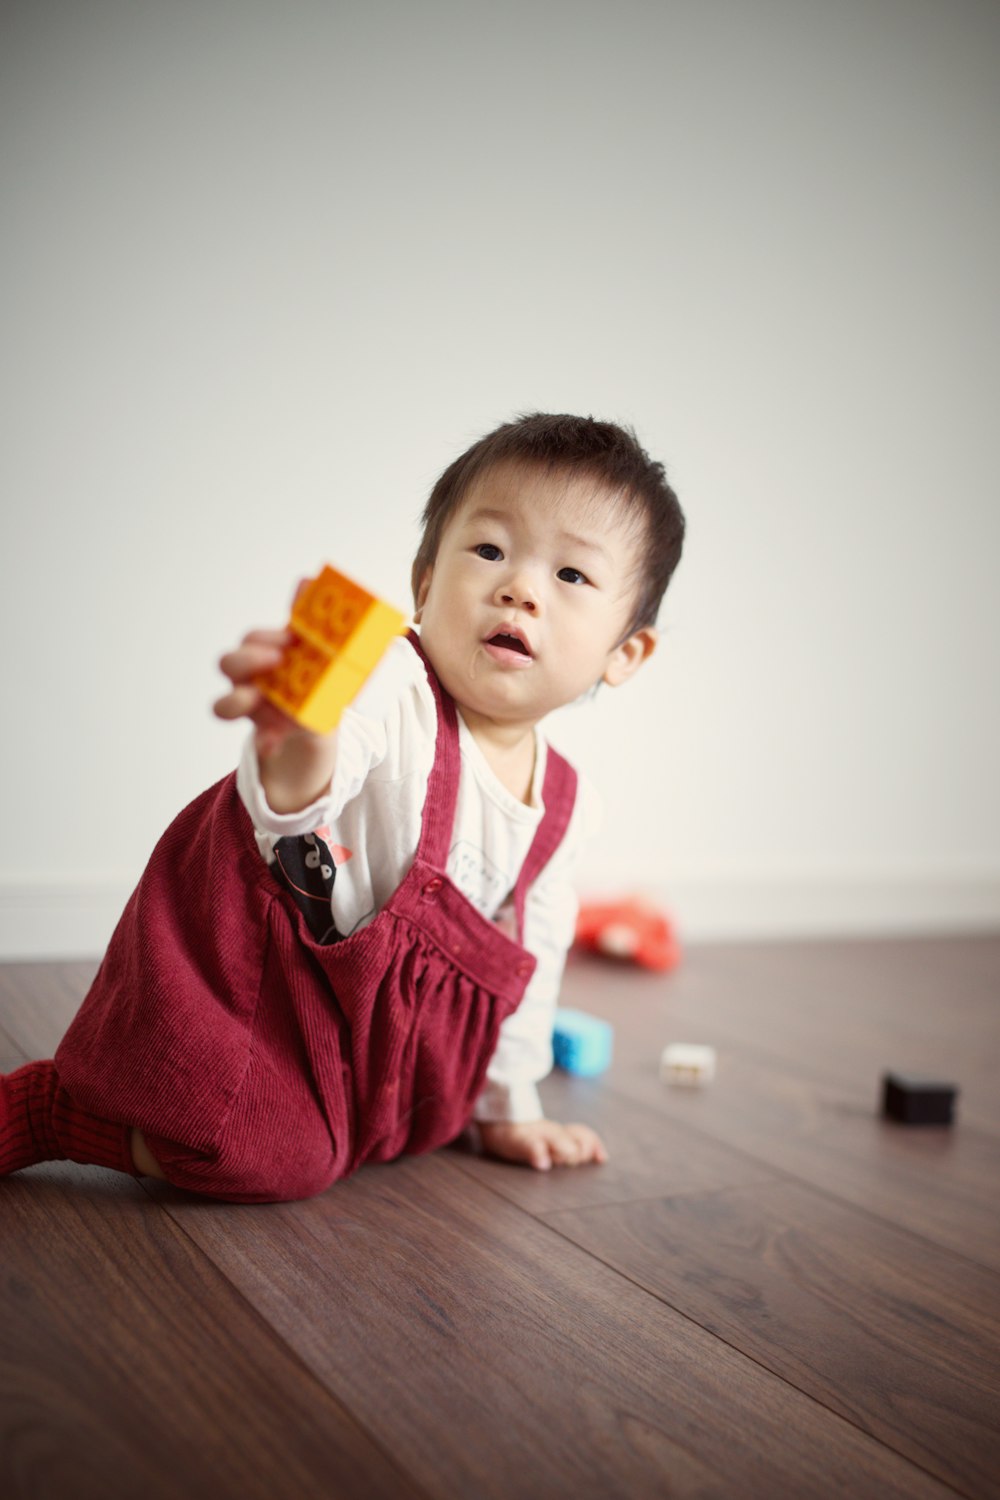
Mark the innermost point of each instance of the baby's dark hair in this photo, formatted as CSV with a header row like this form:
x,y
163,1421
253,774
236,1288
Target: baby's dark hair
x,y
601,451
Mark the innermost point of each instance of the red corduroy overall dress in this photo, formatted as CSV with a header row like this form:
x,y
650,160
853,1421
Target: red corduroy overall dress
x,y
262,1066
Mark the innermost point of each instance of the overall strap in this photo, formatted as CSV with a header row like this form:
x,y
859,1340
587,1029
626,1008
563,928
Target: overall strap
x,y
558,797
442,788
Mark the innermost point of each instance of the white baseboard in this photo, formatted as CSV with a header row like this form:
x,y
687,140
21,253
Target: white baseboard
x,y
714,909
58,921
48,921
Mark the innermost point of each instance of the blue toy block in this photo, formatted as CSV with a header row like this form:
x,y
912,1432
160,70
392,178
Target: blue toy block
x,y
581,1044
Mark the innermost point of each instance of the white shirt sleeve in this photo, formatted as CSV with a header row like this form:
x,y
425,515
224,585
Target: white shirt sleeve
x,y
523,1054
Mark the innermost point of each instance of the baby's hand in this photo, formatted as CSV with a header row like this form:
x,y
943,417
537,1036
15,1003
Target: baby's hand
x,y
295,764
542,1143
258,652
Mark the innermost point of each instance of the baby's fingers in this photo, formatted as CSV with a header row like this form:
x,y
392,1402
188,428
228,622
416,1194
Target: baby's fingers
x,y
258,652
241,701
578,1144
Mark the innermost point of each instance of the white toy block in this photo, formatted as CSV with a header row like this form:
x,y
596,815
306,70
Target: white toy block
x,y
687,1064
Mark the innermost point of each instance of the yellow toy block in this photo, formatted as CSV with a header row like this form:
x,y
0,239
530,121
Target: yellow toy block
x,y
341,633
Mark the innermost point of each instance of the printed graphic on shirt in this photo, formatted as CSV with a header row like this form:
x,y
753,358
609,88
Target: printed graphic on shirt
x,y
477,877
306,865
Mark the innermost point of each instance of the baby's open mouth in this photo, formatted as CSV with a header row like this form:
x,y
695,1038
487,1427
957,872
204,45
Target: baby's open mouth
x,y
505,641
508,642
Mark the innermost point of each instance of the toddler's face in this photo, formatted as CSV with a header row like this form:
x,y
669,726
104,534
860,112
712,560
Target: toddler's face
x,y
528,598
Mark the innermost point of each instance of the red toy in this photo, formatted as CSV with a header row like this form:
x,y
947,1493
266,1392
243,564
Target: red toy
x,y
630,929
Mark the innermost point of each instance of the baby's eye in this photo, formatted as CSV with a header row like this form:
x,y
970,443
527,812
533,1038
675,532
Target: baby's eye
x,y
571,575
489,552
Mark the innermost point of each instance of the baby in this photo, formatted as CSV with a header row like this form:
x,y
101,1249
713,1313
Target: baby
x,y
353,946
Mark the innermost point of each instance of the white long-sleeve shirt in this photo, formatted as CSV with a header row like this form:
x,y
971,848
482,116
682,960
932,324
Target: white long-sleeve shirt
x,y
370,819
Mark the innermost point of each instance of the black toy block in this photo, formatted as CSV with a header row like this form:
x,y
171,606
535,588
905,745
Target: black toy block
x,y
917,1101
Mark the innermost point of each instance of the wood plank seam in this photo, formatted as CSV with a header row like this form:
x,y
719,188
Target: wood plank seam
x,y
758,1160
829,1411
153,1193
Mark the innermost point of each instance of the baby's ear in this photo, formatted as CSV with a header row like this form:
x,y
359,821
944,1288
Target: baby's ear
x,y
421,595
626,659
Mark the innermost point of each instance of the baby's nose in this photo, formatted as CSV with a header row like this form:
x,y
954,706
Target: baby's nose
x,y
520,597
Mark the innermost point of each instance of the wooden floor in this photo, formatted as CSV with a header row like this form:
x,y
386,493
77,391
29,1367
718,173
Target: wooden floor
x,y
768,1291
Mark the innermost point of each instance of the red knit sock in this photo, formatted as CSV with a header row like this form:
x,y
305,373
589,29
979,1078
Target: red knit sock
x,y
40,1122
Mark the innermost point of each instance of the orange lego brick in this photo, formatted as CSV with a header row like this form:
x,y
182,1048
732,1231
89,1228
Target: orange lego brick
x,y
341,633
293,681
330,609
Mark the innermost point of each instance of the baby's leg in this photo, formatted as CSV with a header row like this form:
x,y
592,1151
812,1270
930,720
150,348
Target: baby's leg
x,y
145,1162
40,1122
275,1145
269,1153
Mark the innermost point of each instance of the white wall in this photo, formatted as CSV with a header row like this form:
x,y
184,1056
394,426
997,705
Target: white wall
x,y
268,268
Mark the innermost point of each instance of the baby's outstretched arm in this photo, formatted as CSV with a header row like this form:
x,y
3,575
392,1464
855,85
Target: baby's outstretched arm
x,y
542,1143
295,764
